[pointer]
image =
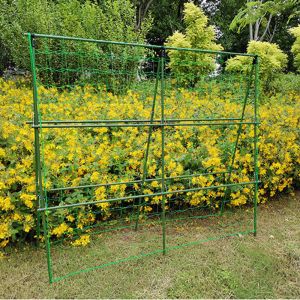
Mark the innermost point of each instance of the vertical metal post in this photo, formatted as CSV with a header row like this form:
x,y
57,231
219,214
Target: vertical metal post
x,y
38,171
144,176
227,191
163,216
38,176
256,144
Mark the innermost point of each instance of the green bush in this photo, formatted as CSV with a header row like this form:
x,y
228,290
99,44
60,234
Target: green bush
x,y
286,85
188,67
296,47
113,20
272,61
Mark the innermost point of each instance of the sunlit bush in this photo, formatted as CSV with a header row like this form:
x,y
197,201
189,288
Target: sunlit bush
x,y
188,67
272,61
296,46
80,157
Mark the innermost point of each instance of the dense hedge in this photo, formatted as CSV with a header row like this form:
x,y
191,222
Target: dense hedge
x,y
117,154
110,20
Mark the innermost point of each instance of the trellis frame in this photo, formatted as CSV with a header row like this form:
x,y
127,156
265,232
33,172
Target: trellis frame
x,y
38,124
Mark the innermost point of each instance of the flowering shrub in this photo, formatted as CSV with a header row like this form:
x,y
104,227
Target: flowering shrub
x,y
272,61
79,157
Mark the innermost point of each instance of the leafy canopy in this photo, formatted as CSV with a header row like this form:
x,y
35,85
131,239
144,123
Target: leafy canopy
x,y
264,15
113,20
272,61
188,66
296,46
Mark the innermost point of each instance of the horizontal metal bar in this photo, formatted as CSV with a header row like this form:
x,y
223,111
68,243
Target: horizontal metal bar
x,y
37,35
141,125
147,195
135,181
135,121
108,228
133,257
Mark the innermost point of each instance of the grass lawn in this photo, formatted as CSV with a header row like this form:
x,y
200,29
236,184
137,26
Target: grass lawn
x,y
266,266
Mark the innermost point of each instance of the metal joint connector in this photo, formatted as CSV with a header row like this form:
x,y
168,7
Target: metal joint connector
x,y
255,60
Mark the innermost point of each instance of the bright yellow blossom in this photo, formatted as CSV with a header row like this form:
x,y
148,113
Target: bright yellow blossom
x,y
82,241
73,157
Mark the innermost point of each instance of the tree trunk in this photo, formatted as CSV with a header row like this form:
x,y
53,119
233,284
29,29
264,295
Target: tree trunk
x,y
251,32
180,9
267,28
141,12
257,25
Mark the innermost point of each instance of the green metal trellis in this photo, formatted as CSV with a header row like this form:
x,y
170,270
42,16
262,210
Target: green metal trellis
x,y
67,63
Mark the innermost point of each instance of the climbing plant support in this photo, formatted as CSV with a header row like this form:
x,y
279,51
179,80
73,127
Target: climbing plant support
x,y
136,144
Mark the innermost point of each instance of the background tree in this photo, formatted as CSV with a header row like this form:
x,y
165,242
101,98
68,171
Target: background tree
x,y
17,17
296,46
262,17
236,22
112,20
222,18
188,67
266,20
142,9
272,61
167,17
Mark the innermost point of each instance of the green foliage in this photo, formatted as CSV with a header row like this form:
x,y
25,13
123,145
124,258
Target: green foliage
x,y
223,17
113,20
272,61
188,67
171,10
95,155
287,85
253,10
17,17
296,46
262,14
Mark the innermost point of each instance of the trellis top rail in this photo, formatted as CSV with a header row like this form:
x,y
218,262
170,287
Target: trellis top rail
x,y
60,37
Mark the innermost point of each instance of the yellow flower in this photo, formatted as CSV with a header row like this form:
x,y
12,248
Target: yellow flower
x,y
82,241
200,180
17,217
4,230
27,227
5,204
240,200
3,243
61,229
104,205
28,199
155,184
100,193
95,177
2,152
70,218
147,208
